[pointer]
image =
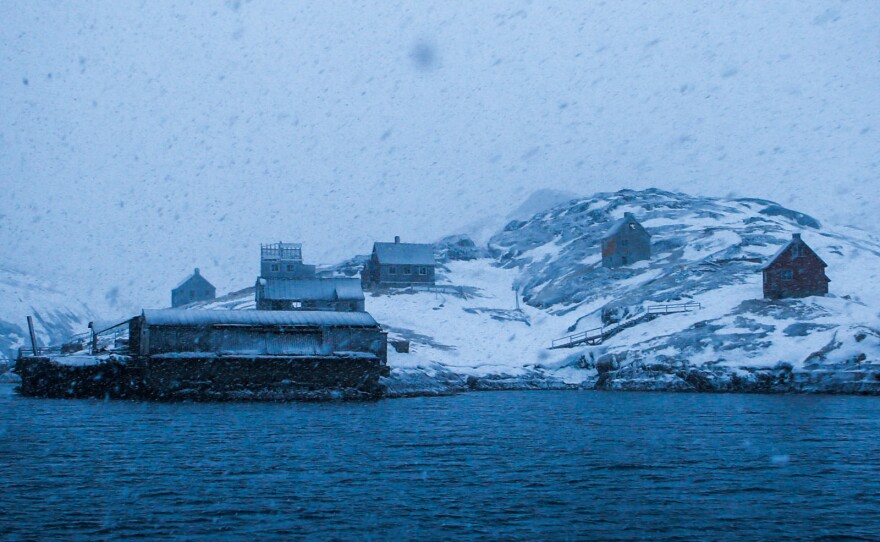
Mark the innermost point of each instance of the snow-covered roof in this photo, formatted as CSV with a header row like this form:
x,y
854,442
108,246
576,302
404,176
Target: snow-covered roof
x,y
618,225
312,289
182,317
404,253
795,239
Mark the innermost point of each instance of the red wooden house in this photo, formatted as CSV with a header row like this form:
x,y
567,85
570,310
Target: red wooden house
x,y
795,271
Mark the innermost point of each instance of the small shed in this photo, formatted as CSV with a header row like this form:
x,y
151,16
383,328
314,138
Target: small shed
x,y
193,288
795,271
317,294
625,242
399,264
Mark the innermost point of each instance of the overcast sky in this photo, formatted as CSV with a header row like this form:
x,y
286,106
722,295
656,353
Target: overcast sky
x,y
141,139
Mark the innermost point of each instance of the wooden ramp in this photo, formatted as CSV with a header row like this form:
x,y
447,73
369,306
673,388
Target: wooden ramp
x,y
597,335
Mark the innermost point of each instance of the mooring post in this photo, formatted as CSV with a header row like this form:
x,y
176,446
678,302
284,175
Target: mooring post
x,y
33,335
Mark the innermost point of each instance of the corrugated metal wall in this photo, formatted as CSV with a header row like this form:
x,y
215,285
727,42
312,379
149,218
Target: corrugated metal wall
x,y
256,341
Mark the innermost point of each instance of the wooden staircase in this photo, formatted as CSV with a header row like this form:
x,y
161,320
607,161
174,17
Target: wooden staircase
x,y
599,334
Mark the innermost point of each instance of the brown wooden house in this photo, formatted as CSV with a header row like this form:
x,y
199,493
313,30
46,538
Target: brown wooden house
x,y
625,242
795,271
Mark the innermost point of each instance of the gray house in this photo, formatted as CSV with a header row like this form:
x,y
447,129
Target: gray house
x,y
316,294
399,264
284,261
287,284
193,288
626,242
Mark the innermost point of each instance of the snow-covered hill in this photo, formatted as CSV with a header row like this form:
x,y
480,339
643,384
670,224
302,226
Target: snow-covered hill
x,y
705,250
708,251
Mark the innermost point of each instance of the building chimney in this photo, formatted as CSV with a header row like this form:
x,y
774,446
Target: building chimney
x,y
396,239
796,236
196,271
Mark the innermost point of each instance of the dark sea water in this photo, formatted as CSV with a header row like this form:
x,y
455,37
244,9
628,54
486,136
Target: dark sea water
x,y
504,465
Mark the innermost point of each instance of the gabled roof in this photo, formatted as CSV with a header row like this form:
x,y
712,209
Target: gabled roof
x,y
312,289
197,276
796,239
404,253
619,224
183,317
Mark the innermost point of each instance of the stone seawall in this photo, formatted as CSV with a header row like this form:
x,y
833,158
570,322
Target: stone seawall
x,y
271,378
849,379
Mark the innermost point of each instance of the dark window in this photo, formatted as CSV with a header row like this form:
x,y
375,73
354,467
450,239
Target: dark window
x,y
392,270
275,267
290,267
625,243
795,251
406,270
623,260
423,270
787,274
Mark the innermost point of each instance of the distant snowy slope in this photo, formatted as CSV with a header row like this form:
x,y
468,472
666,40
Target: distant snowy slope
x,y
699,244
56,315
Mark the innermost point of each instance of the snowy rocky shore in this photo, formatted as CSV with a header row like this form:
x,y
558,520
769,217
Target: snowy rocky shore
x,y
705,250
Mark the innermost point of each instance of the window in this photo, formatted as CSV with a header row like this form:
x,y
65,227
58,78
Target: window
x,y
632,226
624,242
296,304
275,267
290,267
423,270
392,270
795,251
623,260
192,294
407,270
787,274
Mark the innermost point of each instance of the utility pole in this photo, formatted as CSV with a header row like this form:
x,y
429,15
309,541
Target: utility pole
x,y
515,289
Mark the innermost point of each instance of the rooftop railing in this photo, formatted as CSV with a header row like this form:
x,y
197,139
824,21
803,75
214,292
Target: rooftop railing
x,y
281,251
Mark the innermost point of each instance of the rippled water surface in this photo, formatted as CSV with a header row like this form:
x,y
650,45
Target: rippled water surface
x,y
515,465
